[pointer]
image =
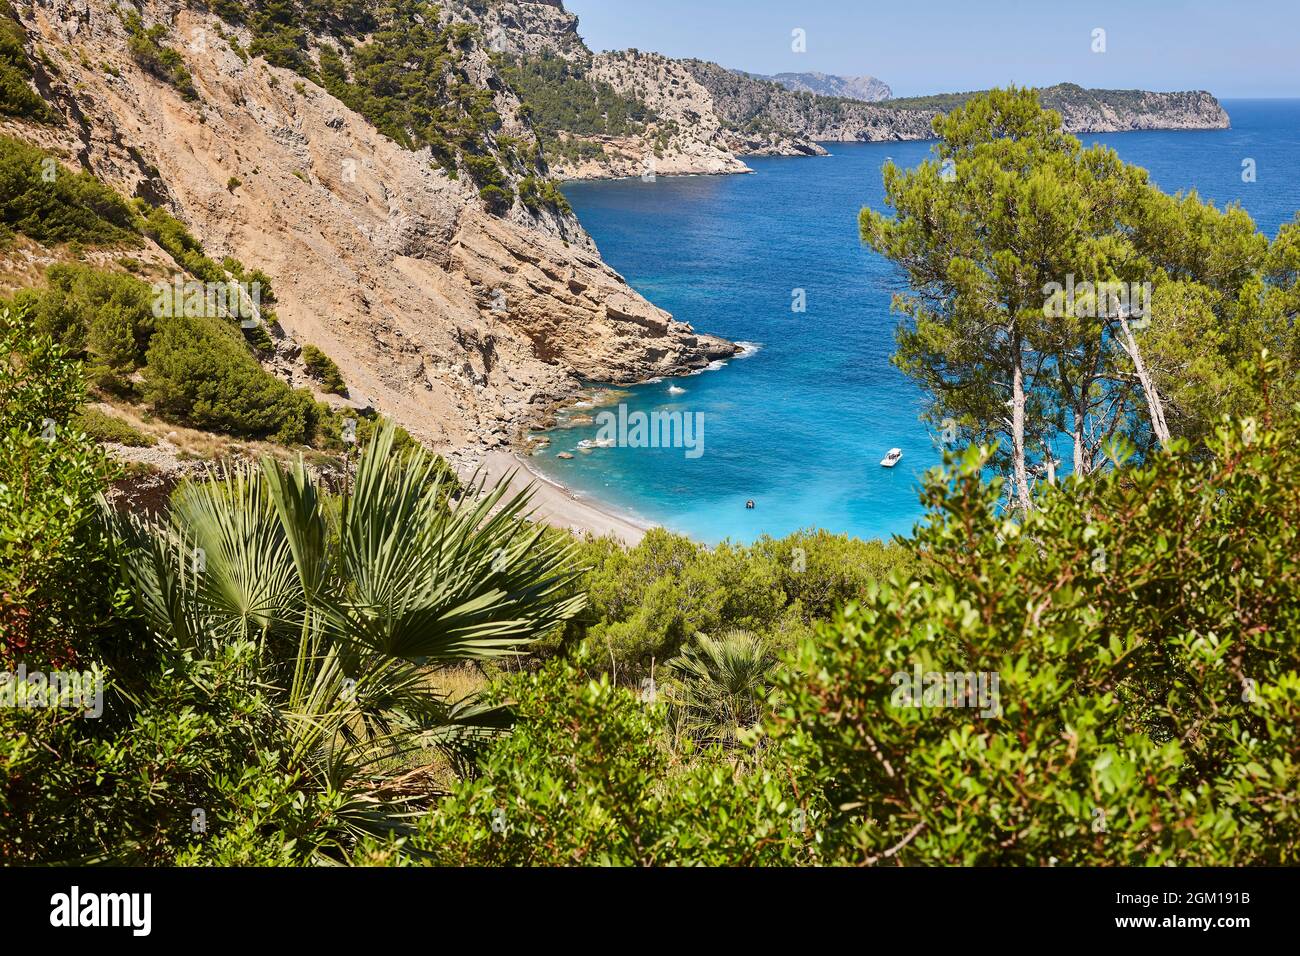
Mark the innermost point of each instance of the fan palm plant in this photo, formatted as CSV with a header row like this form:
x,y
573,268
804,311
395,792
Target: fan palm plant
x,y
719,686
347,601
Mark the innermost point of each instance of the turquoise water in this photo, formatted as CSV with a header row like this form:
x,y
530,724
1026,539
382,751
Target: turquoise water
x,y
800,425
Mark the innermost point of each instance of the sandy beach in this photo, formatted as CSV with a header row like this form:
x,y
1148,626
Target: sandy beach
x,y
555,505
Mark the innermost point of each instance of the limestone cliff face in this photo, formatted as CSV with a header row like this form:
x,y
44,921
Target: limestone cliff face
x,y
747,102
1117,111
686,136
459,323
522,27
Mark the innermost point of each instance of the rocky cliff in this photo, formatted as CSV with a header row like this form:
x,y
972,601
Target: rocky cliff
x,y
693,116
747,103
457,315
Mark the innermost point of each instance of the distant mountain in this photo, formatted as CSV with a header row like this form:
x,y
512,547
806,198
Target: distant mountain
x,y
865,88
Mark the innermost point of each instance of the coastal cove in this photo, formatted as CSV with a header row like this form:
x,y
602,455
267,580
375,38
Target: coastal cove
x,y
800,422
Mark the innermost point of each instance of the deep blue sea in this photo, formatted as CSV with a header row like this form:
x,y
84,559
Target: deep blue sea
x,y
800,426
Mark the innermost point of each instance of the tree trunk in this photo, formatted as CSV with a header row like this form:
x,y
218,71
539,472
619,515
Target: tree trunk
x,y
1018,426
1080,412
1155,406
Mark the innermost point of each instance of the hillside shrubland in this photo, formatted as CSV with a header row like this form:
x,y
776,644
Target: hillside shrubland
x,y
195,369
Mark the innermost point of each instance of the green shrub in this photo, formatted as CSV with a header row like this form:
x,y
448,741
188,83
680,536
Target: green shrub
x,y
51,548
154,57
718,687
496,198
187,736
562,98
322,368
535,193
17,98
41,199
494,188
170,732
102,427
1141,626
820,572
586,778
646,601
179,243
105,316
39,378
200,372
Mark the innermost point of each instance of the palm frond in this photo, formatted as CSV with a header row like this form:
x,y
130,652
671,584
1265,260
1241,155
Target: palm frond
x,y
347,601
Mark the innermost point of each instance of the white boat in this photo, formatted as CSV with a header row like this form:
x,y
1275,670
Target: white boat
x,y
890,460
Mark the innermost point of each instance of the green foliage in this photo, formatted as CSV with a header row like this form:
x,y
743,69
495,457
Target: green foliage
x,y
586,778
494,187
145,44
102,427
647,601
199,371
329,590
1142,626
411,82
573,149
1012,207
1222,292
718,687
39,380
50,475
277,684
177,241
1021,205
106,317
322,368
536,193
820,572
175,735
17,98
403,444
42,200
561,97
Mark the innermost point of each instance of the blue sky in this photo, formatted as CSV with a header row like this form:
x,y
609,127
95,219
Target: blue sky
x,y
1233,48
